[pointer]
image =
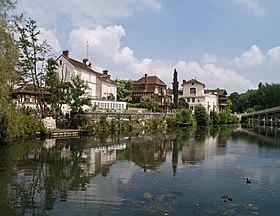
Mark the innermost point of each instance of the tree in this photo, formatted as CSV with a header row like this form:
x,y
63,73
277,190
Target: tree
x,y
76,98
182,104
124,90
185,116
151,103
201,116
175,88
56,87
166,102
214,118
33,54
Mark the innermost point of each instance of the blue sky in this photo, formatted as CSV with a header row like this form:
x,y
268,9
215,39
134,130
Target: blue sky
x,y
231,44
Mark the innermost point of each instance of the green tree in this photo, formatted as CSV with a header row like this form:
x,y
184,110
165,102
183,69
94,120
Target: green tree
x,y
214,118
150,103
76,97
167,102
201,116
182,104
32,58
124,90
175,88
185,117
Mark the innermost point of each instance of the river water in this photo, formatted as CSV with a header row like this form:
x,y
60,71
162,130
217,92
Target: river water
x,y
185,172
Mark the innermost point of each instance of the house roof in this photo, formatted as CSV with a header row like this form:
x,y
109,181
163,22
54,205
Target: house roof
x,y
150,80
81,65
29,89
193,81
218,91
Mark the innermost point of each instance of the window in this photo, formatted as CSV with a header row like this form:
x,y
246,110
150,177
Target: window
x,y
193,100
192,90
192,83
188,100
60,62
198,101
191,107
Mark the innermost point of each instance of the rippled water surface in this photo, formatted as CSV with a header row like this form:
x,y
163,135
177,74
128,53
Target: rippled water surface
x,y
185,172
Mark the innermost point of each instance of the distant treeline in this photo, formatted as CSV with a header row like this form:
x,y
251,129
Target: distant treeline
x,y
266,96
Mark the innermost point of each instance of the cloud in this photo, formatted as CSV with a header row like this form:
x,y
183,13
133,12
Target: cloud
x,y
51,39
252,5
106,52
86,12
251,57
208,58
274,54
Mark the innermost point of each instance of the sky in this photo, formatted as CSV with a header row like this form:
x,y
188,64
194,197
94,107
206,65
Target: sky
x,y
232,44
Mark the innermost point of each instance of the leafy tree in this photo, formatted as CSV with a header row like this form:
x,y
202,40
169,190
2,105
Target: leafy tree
x,y
182,104
32,58
167,102
151,103
56,87
185,116
233,97
201,116
214,118
175,88
124,90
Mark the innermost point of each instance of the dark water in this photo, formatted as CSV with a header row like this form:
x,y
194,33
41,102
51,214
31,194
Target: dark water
x,y
181,173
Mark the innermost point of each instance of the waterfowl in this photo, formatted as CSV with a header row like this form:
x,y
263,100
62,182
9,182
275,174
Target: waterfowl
x,y
227,198
248,181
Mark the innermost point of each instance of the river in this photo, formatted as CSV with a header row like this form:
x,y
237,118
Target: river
x,y
184,172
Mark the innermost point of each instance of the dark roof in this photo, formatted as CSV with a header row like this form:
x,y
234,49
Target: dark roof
x,y
81,65
193,81
218,91
150,80
29,89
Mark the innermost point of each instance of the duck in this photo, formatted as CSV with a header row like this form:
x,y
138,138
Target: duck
x,y
248,181
227,198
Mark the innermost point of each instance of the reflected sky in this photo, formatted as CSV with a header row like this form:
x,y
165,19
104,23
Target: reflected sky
x,y
173,173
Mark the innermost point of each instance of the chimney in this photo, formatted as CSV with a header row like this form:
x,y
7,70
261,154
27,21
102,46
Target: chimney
x,y
146,75
184,81
85,61
65,53
105,72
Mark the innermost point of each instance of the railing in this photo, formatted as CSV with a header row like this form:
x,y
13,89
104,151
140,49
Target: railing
x,y
265,111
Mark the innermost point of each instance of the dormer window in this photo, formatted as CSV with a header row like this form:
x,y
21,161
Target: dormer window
x,y
192,90
192,83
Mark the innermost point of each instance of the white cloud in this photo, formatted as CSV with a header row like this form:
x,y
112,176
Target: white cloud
x,y
274,54
208,58
106,50
86,12
252,5
251,57
51,39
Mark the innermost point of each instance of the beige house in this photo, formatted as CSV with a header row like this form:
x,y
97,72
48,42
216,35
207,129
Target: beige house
x,y
195,94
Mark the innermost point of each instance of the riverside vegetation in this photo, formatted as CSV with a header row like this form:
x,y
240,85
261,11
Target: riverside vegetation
x,y
24,58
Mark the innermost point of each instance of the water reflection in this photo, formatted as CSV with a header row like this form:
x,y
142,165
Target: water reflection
x,y
37,177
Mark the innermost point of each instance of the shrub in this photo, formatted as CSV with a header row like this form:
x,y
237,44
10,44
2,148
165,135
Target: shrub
x,y
185,116
214,118
201,116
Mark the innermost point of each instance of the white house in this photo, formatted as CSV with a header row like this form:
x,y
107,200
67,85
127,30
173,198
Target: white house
x,y
102,89
194,94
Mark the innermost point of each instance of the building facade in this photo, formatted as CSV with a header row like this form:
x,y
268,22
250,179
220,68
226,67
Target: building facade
x,y
195,94
102,89
221,95
149,86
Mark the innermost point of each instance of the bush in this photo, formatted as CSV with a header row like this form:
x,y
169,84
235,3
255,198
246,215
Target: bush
x,y
201,116
185,116
214,118
227,118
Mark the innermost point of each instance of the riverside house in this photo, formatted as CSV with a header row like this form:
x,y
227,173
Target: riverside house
x,y
148,86
195,94
102,89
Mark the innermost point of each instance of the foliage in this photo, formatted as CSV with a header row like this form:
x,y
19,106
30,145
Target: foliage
x,y
151,103
227,118
201,116
167,102
124,90
266,96
182,104
185,116
32,57
214,118
175,88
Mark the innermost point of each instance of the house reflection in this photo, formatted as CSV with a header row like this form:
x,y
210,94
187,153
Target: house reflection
x,y
193,152
101,158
